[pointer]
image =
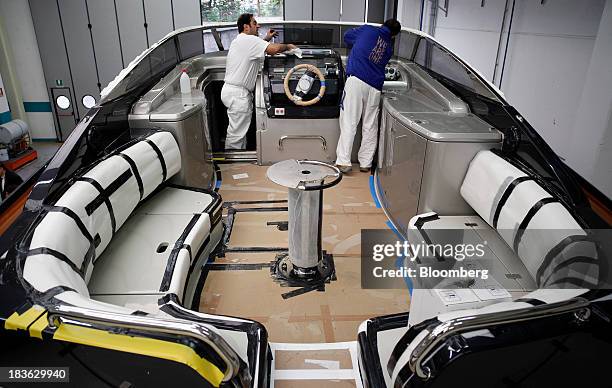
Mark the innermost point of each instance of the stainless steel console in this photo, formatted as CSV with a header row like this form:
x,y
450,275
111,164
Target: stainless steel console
x,y
425,147
164,107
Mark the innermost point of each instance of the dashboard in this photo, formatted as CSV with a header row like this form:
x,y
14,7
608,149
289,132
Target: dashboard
x,y
275,71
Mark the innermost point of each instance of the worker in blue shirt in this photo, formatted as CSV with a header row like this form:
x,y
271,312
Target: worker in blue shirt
x,y
371,49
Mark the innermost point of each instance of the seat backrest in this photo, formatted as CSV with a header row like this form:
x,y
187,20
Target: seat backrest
x,y
534,223
77,229
411,340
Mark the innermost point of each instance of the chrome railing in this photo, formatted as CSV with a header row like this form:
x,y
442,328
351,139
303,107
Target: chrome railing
x,y
444,330
103,320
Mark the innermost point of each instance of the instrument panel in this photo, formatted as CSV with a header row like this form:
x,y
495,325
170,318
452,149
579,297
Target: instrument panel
x,y
275,71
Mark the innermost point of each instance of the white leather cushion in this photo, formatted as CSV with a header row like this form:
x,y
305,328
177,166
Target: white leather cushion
x,y
127,196
59,232
170,151
179,276
485,181
548,227
76,198
44,272
524,196
576,264
147,163
84,301
198,234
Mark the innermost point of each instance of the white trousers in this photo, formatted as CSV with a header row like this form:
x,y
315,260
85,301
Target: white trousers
x,y
360,101
239,104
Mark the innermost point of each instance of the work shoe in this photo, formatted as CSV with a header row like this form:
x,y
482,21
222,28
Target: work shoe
x,y
364,169
344,169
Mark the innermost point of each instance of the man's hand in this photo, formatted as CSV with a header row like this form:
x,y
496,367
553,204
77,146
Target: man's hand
x,y
275,48
271,34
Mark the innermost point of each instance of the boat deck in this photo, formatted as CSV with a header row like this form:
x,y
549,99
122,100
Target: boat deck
x,y
240,283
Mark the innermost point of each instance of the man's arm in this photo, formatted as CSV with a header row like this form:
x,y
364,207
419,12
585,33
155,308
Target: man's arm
x,y
275,48
351,35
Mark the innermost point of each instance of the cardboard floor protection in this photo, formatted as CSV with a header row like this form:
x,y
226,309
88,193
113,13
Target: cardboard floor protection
x,y
314,317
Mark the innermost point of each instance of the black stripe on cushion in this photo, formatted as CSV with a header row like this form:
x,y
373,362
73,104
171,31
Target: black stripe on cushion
x,y
70,213
506,195
135,172
160,156
106,193
567,263
167,279
555,251
109,206
58,255
530,214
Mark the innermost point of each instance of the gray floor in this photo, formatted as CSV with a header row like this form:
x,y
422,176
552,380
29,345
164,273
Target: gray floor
x,y
45,151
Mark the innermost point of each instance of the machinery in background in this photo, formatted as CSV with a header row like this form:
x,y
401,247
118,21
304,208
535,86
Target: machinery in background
x,y
15,144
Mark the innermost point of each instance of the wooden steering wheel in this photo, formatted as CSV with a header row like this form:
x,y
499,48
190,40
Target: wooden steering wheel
x,y
304,84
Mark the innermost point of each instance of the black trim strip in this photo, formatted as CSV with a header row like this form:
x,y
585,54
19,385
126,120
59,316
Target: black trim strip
x,y
167,279
188,247
192,267
531,301
160,156
135,172
507,192
303,290
239,266
530,214
423,220
262,209
109,206
58,255
555,251
55,291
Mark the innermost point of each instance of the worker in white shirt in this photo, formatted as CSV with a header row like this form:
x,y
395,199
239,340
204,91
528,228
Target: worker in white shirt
x,y
244,59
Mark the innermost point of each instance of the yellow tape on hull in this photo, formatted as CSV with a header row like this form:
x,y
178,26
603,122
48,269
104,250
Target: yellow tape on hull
x,y
139,345
22,321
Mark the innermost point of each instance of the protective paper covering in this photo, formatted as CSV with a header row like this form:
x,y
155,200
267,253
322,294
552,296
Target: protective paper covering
x,y
304,227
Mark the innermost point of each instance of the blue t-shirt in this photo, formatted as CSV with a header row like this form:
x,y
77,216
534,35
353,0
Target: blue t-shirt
x,y
370,53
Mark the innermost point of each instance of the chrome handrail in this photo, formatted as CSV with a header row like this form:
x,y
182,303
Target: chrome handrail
x,y
85,317
311,137
443,330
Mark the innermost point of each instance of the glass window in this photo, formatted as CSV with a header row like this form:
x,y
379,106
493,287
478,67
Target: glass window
x,y
210,45
432,57
63,102
190,44
88,101
157,62
214,11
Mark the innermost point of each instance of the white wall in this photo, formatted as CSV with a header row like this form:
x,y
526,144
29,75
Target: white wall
x,y
18,26
472,31
590,144
548,57
4,107
409,13
557,69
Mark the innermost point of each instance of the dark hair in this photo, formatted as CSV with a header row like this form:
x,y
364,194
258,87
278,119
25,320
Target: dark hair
x,y
243,19
394,26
